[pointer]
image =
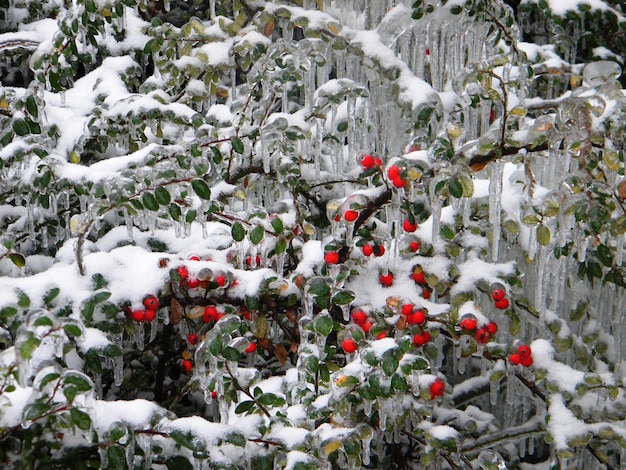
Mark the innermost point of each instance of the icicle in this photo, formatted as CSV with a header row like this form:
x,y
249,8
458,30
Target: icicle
x,y
128,220
153,330
118,370
494,388
140,336
495,196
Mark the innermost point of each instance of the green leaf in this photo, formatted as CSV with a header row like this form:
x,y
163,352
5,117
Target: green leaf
x,y
80,418
17,259
579,312
51,295
594,269
31,106
100,297
87,310
178,463
237,145
391,361
92,361
324,324
238,231
43,321
174,210
319,289
277,225
281,245
604,255
116,457
216,345
190,216
20,127
343,297
162,195
81,383
399,383
543,235
201,188
217,155
22,299
35,410
455,188
28,347
231,354
244,406
257,234
347,381
149,201
73,330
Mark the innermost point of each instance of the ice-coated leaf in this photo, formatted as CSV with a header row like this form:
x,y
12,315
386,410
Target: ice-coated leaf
x,y
201,188
238,231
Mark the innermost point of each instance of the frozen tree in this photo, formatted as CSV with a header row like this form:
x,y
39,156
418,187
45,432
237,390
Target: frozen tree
x,y
312,234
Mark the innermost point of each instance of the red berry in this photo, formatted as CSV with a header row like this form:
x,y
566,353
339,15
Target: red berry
x,y
492,327
526,361
414,246
406,309
367,250
349,345
498,294
151,302
386,279
502,304
393,171
359,317
379,250
183,272
378,162
468,324
515,359
426,293
382,334
492,115
193,282
398,182
351,215
367,161
417,317
437,388
251,347
193,338
246,314
419,277
367,326
150,315
524,351
331,257
409,226
257,260
194,258
210,314
214,395
138,315
482,335
427,52
420,339
187,365
221,280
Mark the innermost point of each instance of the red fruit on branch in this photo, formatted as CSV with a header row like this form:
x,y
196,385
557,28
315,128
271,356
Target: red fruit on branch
x,y
515,359
386,279
406,309
492,327
221,280
409,226
256,260
379,250
186,365
350,215
426,293
437,388
420,339
367,162
349,345
414,246
482,335
331,257
468,324
151,302
251,347
524,350
398,182
419,277
367,326
359,317
183,272
193,282
526,361
382,334
498,294
214,395
502,304
367,250
417,317
210,313
393,172
193,338
194,258
150,315
138,315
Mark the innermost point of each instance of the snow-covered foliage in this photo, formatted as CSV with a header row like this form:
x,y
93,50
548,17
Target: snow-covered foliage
x,y
312,234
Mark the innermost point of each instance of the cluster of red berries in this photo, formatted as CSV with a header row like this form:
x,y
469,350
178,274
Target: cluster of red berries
x,y
414,316
368,162
437,388
500,301
482,335
362,320
151,304
394,173
211,313
376,250
523,356
419,277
